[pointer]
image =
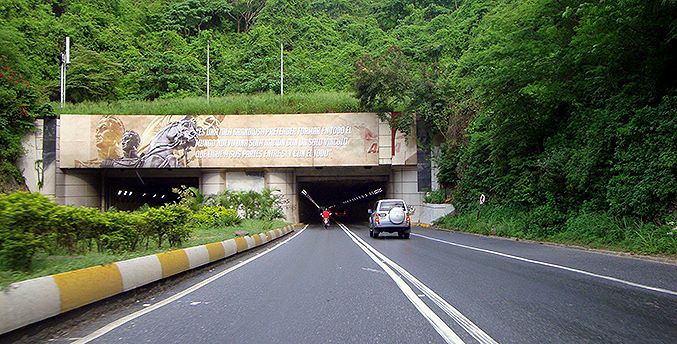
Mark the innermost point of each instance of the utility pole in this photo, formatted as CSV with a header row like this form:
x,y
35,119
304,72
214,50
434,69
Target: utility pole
x,y
65,60
207,71
281,70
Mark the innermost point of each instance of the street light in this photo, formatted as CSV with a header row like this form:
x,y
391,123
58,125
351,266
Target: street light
x,y
65,60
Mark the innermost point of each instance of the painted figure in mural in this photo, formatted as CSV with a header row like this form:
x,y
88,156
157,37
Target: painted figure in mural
x,y
109,132
130,143
181,135
107,138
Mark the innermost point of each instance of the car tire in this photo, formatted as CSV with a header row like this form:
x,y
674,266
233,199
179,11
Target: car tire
x,y
376,233
371,233
405,235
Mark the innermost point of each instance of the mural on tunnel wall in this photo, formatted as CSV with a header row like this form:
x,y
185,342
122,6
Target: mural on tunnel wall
x,y
174,141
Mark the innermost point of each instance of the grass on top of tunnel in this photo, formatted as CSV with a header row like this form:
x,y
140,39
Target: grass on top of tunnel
x,y
45,265
235,104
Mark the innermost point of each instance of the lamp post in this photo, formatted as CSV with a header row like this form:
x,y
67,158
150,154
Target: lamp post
x,y
207,71
281,70
65,60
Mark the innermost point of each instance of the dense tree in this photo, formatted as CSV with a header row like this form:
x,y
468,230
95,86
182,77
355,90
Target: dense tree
x,y
20,104
562,105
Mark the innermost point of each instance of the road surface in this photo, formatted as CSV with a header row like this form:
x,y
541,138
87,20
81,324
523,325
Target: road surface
x,y
340,286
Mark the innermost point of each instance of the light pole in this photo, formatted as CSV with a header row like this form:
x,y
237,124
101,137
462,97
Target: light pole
x,y
207,71
281,71
65,60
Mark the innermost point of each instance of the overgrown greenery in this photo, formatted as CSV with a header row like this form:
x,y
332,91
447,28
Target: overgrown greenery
x,y
550,107
31,224
591,229
45,264
555,109
262,103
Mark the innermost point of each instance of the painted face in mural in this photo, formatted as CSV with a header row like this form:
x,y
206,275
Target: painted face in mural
x,y
109,132
130,143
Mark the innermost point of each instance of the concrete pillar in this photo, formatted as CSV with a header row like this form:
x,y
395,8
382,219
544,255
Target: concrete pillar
x,y
213,182
79,188
404,185
285,182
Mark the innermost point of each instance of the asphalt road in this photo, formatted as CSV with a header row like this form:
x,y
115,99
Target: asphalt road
x,y
339,285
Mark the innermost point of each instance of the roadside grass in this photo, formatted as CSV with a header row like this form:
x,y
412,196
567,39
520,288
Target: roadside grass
x,y
44,264
262,103
587,229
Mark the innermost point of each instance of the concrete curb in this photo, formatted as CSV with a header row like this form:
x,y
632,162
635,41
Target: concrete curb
x,y
26,302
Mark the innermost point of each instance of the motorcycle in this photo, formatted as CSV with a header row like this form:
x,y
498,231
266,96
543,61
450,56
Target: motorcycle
x,y
326,222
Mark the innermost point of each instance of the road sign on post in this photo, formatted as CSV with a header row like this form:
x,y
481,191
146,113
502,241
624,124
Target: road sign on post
x,y
479,207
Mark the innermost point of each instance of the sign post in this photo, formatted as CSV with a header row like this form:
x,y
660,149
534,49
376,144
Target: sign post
x,y
482,200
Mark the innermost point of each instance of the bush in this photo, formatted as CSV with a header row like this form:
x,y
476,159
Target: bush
x,y
264,205
170,221
124,231
25,224
545,221
216,215
435,197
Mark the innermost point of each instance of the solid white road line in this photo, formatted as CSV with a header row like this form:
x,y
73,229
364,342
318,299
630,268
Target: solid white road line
x,y
450,310
438,324
583,272
115,324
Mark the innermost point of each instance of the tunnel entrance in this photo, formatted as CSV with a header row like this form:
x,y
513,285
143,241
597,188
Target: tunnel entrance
x,y
133,193
349,197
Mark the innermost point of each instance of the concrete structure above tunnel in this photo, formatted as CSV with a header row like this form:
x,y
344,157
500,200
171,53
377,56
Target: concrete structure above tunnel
x,y
94,154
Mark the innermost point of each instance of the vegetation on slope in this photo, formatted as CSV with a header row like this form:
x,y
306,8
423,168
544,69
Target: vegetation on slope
x,y
554,108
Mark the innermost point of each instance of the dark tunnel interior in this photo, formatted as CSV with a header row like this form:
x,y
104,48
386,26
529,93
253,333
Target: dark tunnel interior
x,y
358,195
133,193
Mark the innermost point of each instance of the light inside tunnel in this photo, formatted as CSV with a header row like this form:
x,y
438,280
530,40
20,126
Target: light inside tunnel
x,y
349,199
132,193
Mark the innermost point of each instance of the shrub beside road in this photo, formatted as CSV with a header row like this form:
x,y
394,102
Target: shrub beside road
x,y
39,237
590,229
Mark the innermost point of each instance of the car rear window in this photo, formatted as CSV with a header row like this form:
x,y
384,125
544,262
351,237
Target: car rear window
x,y
387,205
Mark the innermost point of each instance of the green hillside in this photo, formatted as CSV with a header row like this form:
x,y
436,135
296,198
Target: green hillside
x,y
559,110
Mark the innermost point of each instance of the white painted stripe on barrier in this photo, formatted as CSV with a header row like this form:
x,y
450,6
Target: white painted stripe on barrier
x,y
139,271
26,302
30,301
250,242
229,247
197,256
264,238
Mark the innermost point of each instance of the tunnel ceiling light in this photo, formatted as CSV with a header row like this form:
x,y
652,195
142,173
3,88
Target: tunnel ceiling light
x,y
119,192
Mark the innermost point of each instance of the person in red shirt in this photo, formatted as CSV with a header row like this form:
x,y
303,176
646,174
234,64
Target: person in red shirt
x,y
325,217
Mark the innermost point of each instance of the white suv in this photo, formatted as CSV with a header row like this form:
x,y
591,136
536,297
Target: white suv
x,y
390,215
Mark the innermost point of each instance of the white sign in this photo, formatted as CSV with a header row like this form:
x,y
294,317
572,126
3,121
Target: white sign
x,y
482,199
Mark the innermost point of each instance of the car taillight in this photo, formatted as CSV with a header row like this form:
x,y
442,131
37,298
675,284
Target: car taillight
x,y
376,219
408,218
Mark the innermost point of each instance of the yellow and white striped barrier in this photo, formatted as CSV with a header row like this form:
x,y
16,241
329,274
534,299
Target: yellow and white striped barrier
x,y
30,301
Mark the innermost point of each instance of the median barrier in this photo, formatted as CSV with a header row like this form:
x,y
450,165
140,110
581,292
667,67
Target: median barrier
x,y
26,302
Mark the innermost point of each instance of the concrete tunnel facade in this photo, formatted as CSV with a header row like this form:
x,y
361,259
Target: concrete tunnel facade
x,y
126,161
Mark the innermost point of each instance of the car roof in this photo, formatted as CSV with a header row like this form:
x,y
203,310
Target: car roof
x,y
392,200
